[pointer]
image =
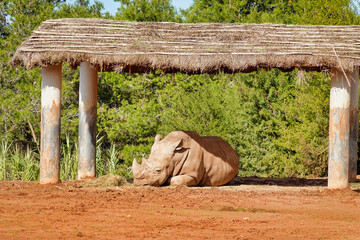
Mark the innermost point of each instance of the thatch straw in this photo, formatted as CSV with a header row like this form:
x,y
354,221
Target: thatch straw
x,y
190,48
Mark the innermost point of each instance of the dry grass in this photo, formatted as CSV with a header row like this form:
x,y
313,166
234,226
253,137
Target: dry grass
x,y
105,181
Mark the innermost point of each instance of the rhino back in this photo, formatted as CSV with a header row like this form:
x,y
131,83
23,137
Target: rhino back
x,y
221,162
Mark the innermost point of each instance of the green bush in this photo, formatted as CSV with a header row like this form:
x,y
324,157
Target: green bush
x,y
278,127
265,116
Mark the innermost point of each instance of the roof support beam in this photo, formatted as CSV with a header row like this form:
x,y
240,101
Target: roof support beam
x,y
339,130
354,110
87,120
50,124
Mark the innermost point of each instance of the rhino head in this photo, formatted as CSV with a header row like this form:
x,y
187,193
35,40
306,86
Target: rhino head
x,y
159,166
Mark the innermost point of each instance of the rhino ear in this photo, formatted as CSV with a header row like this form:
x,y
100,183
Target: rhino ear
x,y
176,146
158,137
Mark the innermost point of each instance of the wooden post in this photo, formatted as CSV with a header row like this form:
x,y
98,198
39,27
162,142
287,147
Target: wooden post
x,y
339,130
87,121
354,110
50,124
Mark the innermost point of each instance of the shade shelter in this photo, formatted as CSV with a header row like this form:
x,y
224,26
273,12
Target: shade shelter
x,y
105,45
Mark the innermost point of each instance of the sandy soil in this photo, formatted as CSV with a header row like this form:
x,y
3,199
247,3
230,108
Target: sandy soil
x,y
253,208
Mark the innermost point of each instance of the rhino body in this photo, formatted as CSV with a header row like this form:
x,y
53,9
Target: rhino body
x,y
185,158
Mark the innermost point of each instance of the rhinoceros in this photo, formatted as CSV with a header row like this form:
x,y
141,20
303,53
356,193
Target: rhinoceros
x,y
185,158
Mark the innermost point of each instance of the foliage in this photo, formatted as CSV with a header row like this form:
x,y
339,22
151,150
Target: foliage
x,y
258,114
244,11
17,163
147,11
325,12
317,12
3,22
20,89
266,115
81,9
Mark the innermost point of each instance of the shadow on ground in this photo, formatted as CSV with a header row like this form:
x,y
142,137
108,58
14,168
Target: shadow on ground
x,y
284,182
288,182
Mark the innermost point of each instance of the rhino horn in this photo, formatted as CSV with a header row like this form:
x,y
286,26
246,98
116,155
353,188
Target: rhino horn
x,y
136,169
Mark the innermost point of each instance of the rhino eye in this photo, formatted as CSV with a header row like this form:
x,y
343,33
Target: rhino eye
x,y
158,170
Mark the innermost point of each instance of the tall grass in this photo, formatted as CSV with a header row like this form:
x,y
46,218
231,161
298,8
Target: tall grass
x,y
24,164
68,160
18,164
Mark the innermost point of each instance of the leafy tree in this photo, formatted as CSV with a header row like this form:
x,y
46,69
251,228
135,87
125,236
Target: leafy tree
x,y
292,140
81,9
317,12
20,88
230,11
325,12
147,11
265,115
3,21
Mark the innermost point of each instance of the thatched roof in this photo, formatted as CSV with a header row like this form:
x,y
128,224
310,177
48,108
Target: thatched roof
x,y
190,48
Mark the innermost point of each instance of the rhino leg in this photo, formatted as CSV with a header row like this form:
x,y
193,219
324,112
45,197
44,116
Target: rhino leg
x,y
183,180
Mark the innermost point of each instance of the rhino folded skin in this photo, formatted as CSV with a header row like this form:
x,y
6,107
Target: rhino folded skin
x,y
185,158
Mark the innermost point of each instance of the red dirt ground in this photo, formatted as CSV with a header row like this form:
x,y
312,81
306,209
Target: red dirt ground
x,y
280,209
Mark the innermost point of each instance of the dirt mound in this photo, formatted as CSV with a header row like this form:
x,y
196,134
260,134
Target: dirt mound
x,y
106,181
340,192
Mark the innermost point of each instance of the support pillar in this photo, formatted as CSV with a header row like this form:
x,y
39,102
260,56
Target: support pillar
x,y
339,131
50,124
87,121
354,110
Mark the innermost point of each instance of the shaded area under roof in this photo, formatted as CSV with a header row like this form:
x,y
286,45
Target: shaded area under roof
x,y
190,48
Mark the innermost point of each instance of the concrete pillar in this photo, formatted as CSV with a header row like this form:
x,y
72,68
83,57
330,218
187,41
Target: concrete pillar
x,y
354,110
339,131
87,120
50,124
